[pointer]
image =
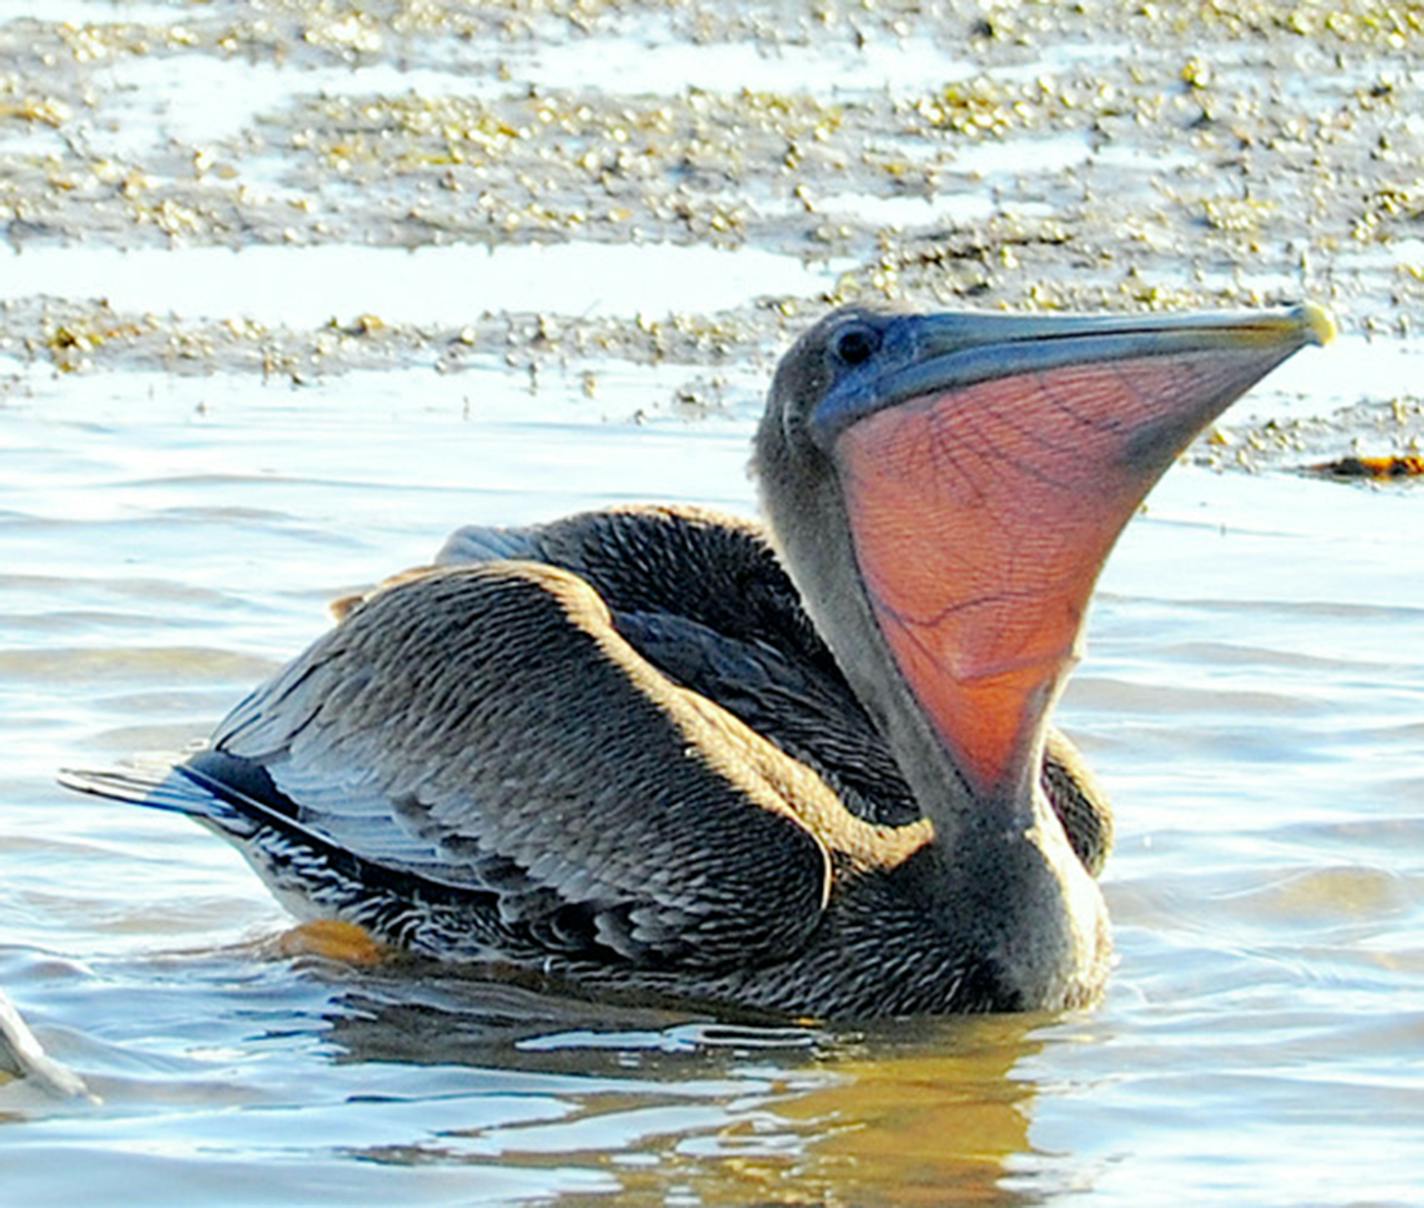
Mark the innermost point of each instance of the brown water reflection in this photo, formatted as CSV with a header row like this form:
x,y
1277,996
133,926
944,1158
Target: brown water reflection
x,y
926,1121
918,1112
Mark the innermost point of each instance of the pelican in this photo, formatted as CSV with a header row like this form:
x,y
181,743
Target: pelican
x,y
807,768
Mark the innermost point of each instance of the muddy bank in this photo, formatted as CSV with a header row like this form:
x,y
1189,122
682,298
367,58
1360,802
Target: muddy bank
x,y
1096,156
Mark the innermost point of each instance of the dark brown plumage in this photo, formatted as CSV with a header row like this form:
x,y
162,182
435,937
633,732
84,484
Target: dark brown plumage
x,y
617,749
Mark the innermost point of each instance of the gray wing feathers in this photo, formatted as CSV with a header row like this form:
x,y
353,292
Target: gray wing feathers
x,y
489,720
489,543
160,787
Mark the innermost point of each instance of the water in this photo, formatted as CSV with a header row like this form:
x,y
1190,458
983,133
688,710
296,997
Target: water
x,y
304,287
1253,698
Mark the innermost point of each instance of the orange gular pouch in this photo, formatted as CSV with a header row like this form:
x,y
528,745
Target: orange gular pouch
x,y
982,516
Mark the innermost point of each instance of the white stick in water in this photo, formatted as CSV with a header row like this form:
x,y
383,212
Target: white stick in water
x,y
22,1055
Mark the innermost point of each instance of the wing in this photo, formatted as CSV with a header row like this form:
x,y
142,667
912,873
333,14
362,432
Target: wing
x,y
1078,800
704,598
812,717
717,571
487,727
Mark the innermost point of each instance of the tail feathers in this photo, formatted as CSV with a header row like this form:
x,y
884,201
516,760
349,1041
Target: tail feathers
x,y
159,787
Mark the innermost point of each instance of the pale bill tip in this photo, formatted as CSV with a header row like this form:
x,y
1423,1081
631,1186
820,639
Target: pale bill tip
x,y
1319,321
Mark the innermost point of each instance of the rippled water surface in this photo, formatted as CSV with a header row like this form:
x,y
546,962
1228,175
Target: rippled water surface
x,y
1253,698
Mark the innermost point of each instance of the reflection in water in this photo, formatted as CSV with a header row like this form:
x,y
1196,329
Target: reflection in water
x,y
726,1112
927,1115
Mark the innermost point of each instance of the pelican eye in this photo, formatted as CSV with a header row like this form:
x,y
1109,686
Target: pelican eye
x,y
856,345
